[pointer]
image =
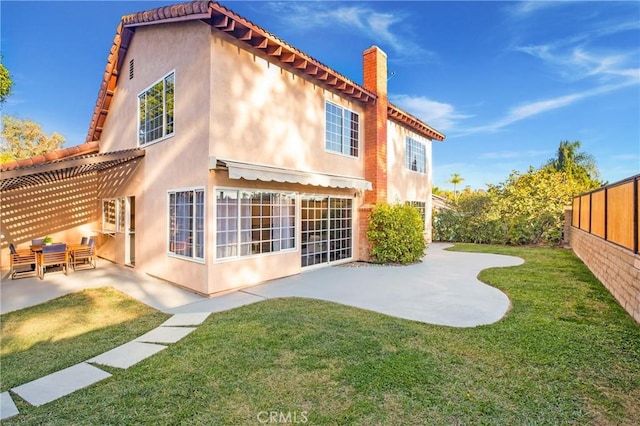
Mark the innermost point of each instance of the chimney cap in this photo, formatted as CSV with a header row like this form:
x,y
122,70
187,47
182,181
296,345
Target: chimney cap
x,y
375,48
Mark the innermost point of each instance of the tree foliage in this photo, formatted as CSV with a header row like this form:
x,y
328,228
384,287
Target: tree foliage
x,y
25,138
456,179
527,208
396,233
6,84
578,165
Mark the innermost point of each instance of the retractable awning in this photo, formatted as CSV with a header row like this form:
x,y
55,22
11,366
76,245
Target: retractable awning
x,y
251,171
56,170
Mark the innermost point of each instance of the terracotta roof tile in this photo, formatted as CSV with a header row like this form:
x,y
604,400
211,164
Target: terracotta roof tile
x,y
58,154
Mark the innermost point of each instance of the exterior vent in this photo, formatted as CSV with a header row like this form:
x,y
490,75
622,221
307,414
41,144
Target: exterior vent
x,y
131,69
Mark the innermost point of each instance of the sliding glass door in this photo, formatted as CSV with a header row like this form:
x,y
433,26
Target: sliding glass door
x,y
327,229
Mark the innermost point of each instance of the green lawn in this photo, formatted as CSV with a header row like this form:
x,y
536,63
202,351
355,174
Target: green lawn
x,y
70,329
565,354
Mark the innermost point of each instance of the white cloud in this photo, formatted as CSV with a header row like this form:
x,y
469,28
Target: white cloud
x,y
579,63
439,115
538,107
523,9
576,59
378,26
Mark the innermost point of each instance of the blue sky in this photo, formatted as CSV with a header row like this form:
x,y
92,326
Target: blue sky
x,y
505,81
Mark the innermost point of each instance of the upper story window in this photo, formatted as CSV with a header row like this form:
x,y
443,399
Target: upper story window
x,y
342,130
415,155
155,110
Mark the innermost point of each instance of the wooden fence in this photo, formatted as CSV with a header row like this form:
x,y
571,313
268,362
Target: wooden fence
x,y
611,213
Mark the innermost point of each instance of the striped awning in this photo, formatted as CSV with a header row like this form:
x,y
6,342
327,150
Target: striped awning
x,y
252,171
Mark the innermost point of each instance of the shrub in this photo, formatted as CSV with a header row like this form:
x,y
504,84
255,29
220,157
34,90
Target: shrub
x,y
396,234
524,209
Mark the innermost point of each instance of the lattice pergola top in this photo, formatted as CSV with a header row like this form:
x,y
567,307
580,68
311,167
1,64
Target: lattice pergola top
x,y
245,32
41,172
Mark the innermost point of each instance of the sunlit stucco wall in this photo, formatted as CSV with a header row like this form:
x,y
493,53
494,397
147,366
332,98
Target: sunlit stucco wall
x,y
261,113
177,162
404,184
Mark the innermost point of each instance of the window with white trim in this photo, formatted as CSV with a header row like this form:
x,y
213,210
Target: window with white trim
x,y
415,155
113,215
422,208
186,223
254,222
155,111
342,130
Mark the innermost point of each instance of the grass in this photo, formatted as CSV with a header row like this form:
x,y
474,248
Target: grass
x,y
46,338
565,354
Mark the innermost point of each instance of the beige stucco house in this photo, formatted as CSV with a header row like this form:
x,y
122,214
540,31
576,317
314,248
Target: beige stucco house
x,y
219,156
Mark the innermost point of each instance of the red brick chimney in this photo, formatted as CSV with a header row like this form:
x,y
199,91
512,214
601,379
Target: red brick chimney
x,y
375,141
375,125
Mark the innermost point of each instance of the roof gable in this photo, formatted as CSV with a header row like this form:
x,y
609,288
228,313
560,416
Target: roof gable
x,y
253,38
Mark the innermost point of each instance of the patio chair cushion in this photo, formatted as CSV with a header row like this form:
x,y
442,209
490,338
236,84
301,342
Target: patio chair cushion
x,y
37,242
12,248
84,241
54,248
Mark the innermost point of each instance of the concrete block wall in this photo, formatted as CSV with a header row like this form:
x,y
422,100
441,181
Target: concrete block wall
x,y
616,267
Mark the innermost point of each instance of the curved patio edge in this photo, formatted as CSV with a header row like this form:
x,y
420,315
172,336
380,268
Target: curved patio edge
x,y
443,289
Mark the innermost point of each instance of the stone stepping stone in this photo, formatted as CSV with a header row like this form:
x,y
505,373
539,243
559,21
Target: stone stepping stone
x,y
61,383
181,320
165,334
7,406
124,356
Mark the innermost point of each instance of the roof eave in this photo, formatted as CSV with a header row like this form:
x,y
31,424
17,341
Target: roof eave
x,y
234,26
414,123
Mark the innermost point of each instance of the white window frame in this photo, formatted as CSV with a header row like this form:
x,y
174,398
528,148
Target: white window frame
x,y
421,206
119,219
345,148
165,134
410,145
239,229
194,227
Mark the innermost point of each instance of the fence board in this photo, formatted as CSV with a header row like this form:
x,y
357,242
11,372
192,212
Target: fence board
x,y
620,214
575,214
598,213
585,212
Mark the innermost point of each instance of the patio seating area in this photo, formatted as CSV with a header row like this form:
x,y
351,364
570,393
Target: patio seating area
x,y
44,257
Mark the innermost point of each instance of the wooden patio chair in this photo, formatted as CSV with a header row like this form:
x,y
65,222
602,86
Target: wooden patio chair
x,y
54,254
84,256
22,262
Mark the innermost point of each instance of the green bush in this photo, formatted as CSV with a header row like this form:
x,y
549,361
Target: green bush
x,y
396,233
524,209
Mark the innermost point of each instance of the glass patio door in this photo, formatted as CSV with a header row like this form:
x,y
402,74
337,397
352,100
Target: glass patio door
x,y
326,225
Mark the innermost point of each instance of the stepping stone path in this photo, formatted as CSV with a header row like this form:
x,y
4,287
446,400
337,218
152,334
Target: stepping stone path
x,y
64,382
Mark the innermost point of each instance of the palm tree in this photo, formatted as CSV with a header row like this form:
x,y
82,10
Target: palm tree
x,y
455,180
580,165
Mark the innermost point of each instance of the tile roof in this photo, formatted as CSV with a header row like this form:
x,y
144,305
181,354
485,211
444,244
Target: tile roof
x,y
396,114
245,32
58,154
